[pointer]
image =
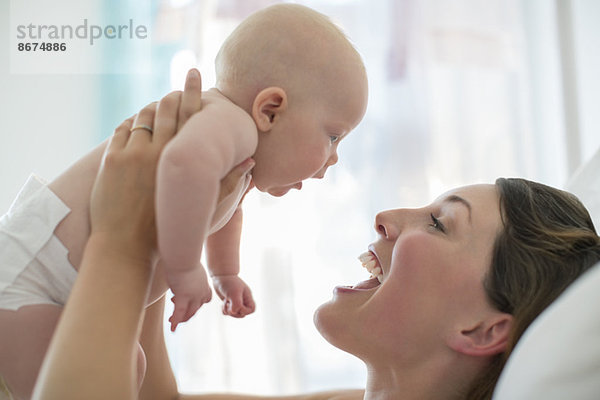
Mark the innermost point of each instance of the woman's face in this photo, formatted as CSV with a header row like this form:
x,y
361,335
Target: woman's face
x,y
434,260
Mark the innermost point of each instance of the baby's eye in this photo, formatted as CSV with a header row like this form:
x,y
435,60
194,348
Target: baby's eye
x,y
334,139
436,224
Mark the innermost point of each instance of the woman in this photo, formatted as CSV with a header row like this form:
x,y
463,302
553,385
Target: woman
x,y
461,280
453,304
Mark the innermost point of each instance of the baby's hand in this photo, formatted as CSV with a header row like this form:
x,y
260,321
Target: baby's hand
x,y
236,295
191,291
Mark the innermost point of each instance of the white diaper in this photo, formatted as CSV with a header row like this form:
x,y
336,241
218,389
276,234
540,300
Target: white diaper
x,y
34,268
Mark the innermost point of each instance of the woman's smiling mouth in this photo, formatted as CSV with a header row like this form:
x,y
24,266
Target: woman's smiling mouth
x,y
370,262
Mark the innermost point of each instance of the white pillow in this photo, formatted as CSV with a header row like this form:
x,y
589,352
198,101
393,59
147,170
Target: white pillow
x,y
558,357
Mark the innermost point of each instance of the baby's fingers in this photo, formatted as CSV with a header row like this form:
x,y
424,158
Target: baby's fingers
x,y
230,309
249,304
183,312
179,313
237,308
233,306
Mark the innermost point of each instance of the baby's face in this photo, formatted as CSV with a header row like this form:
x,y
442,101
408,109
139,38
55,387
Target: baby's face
x,y
303,144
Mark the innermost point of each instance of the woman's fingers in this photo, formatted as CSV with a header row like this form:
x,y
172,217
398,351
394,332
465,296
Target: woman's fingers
x,y
191,101
158,122
121,135
165,123
230,181
143,125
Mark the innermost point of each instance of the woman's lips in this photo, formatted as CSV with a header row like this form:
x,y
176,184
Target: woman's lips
x,y
363,286
366,285
370,262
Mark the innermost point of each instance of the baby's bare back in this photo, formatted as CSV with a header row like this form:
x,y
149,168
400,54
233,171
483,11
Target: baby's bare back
x,y
74,187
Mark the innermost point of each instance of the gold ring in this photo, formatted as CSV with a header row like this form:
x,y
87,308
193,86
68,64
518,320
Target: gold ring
x,y
141,126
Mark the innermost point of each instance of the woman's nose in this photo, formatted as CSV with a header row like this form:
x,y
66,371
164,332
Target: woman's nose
x,y
387,224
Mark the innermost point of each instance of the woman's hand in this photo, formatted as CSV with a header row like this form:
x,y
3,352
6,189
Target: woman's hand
x,y
122,203
100,325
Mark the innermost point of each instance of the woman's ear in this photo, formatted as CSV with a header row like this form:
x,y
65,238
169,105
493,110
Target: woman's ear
x,y
485,338
268,106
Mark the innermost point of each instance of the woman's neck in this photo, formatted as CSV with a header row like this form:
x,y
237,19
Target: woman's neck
x,y
427,380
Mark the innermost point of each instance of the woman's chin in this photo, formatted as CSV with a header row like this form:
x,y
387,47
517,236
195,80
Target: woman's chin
x,y
318,315
334,328
327,321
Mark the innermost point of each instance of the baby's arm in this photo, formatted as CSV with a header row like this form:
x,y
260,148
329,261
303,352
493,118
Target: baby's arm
x,y
222,254
208,146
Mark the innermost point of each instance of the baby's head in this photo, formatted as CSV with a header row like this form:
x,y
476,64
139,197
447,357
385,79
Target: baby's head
x,y
304,85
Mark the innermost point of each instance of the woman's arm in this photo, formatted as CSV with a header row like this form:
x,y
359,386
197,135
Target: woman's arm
x,y
93,353
351,394
160,383
98,330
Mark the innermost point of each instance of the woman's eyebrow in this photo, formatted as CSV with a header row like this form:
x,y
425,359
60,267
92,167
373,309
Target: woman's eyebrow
x,y
457,199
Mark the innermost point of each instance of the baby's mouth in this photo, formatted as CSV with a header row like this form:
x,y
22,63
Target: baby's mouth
x,y
370,262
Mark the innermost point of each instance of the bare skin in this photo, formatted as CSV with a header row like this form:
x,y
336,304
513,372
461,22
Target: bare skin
x,y
268,104
106,315
26,333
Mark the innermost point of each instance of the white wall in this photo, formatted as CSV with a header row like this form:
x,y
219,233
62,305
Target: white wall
x,y
46,121
546,86
586,23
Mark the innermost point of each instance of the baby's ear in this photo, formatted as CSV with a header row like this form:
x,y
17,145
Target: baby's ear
x,y
268,106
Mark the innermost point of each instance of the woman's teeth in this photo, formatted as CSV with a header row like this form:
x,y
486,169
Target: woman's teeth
x,y
369,261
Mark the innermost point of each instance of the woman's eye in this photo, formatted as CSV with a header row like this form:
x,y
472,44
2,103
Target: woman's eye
x,y
436,224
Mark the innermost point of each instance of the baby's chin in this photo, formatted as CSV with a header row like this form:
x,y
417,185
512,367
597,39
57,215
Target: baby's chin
x,y
282,190
278,192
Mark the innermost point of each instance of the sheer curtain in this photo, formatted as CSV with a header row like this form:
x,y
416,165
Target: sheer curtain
x,y
450,104
460,91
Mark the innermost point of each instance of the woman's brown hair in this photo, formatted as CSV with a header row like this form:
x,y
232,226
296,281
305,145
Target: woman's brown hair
x,y
547,242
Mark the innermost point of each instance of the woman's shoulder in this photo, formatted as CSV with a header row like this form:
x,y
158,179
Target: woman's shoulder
x,y
351,394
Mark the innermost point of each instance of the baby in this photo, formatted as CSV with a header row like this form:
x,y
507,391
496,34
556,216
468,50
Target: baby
x,y
289,87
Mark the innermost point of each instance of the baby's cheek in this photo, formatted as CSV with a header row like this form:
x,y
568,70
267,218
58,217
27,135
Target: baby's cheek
x,y
318,160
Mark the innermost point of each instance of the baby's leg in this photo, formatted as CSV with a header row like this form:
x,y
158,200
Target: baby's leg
x,y
24,339
74,187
